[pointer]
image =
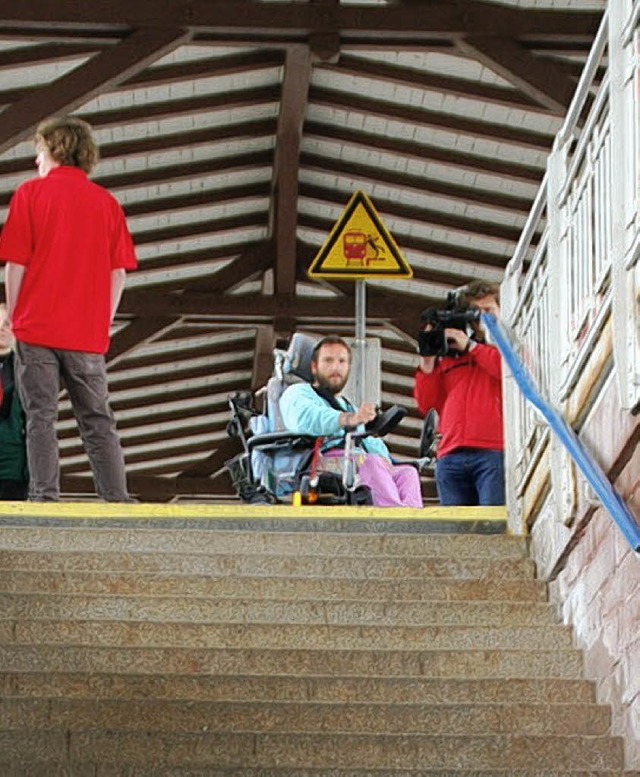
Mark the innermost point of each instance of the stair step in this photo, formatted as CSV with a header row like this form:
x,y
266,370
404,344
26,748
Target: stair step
x,y
213,542
521,663
180,717
272,611
155,651
271,565
159,584
296,688
319,751
266,635
91,769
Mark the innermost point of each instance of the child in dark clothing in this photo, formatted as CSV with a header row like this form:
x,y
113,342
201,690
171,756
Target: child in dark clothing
x,y
14,478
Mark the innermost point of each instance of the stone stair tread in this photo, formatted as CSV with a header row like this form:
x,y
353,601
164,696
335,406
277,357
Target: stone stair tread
x,y
345,751
292,688
195,541
91,769
229,610
238,587
286,635
144,649
434,719
267,565
521,663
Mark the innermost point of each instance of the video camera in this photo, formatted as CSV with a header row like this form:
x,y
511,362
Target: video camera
x,y
455,315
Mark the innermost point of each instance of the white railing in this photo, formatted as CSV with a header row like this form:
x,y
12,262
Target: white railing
x,y
575,268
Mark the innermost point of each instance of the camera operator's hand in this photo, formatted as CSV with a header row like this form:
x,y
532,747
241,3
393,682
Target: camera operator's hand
x,y
427,364
365,413
457,340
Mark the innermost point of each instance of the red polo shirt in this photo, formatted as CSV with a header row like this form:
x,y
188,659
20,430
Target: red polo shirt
x,y
69,234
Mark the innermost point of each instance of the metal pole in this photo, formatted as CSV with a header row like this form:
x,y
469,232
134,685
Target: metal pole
x,y
360,342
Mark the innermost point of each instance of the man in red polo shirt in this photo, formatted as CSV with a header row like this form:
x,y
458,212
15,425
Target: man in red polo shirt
x,y
67,248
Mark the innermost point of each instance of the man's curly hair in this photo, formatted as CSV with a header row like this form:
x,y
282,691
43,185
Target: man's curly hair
x,y
70,142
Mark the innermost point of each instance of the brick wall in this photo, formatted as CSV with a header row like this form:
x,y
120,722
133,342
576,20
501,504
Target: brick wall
x,y
597,587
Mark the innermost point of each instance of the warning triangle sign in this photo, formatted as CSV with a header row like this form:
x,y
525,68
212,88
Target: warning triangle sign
x,y
359,247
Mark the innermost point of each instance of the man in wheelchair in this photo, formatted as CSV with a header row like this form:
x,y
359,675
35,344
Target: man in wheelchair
x,y
319,455
319,409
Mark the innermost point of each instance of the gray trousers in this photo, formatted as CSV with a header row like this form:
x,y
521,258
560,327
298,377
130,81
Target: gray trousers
x,y
38,372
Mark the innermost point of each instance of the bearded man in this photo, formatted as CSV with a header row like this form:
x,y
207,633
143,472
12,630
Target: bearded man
x,y
313,409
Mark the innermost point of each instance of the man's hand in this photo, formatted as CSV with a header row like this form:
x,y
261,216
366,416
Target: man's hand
x,y
427,364
365,413
457,339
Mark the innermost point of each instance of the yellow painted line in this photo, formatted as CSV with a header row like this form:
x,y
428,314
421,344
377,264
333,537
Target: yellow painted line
x,y
103,510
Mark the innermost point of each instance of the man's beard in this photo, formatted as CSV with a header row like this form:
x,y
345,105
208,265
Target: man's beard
x,y
333,387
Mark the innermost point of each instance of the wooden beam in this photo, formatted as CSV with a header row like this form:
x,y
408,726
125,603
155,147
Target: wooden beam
x,y
286,169
477,128
213,462
404,180
263,356
199,256
449,85
47,52
547,82
439,218
210,226
198,199
138,331
231,64
425,152
436,19
97,75
257,307
208,103
256,258
252,159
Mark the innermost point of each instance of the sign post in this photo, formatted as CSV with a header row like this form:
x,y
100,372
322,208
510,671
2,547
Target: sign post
x,y
359,247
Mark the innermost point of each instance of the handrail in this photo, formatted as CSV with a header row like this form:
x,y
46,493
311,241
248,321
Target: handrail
x,y
582,90
608,496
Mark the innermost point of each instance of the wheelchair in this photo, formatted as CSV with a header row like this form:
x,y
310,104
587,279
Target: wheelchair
x,y
276,466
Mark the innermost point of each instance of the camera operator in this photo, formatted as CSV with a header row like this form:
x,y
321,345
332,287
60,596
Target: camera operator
x,y
461,380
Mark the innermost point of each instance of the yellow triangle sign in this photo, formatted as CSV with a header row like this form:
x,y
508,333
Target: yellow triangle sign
x,y
359,247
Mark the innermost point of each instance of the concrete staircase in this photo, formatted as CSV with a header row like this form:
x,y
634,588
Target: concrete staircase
x,y
185,652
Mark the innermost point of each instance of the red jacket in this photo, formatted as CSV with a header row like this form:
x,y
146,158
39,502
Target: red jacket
x,y
466,392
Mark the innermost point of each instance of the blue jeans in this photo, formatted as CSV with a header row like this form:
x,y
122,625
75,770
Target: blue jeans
x,y
471,476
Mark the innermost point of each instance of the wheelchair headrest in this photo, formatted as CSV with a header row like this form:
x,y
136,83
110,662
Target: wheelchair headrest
x,y
298,357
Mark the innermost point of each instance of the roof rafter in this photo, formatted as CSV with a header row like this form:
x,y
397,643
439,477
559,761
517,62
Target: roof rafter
x,y
167,108
284,204
549,83
252,159
198,199
437,18
422,215
258,306
254,258
448,85
207,67
102,71
405,180
201,255
412,149
209,226
451,123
